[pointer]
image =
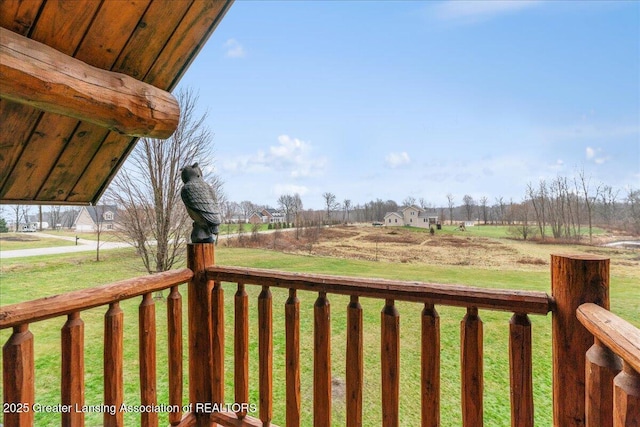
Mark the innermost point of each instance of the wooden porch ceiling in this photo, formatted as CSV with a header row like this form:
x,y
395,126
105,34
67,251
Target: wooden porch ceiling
x,y
49,158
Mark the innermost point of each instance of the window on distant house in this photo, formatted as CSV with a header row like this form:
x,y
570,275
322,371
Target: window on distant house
x,y
108,216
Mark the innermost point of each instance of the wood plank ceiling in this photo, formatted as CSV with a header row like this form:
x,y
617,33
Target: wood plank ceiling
x,y
46,158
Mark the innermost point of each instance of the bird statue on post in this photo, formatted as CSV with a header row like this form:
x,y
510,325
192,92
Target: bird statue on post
x,y
202,205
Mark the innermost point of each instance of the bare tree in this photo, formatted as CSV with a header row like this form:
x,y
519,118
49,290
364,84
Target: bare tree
x,y
538,200
484,209
608,197
99,210
589,199
247,208
450,202
633,202
21,213
522,227
147,189
500,204
330,204
286,203
346,204
468,203
409,201
54,216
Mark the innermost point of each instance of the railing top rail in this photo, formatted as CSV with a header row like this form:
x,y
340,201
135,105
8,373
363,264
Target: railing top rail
x,y
615,333
83,299
453,295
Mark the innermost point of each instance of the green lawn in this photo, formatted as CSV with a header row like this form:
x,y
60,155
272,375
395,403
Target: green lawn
x,y
16,241
42,276
501,231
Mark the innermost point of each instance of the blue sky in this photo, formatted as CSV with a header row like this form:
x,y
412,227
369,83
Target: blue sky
x,y
391,99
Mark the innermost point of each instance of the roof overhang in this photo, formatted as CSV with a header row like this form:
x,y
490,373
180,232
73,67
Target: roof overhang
x,y
81,81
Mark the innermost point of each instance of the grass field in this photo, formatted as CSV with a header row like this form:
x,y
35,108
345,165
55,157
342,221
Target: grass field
x,y
16,241
43,276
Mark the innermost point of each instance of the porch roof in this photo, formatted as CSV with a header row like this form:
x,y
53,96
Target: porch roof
x,y
51,158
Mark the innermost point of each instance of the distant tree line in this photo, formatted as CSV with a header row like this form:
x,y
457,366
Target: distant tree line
x,y
565,207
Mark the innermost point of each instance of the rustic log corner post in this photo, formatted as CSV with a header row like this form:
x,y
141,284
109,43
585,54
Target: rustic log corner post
x,y
199,257
575,280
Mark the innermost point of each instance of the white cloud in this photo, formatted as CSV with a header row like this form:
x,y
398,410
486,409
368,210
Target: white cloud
x,y
595,155
590,153
234,49
395,160
471,11
291,156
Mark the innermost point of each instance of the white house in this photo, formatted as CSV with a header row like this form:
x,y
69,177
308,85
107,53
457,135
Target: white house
x,y
412,216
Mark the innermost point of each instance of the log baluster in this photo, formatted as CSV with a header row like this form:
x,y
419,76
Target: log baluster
x,y
292,331
520,371
217,342
147,352
241,348
430,366
602,365
390,364
72,384
472,368
113,373
322,362
18,377
174,320
265,357
354,362
626,395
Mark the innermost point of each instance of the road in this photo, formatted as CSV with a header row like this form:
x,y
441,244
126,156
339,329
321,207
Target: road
x,y
83,246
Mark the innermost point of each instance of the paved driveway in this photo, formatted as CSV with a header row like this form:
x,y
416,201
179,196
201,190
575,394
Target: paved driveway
x,y
83,246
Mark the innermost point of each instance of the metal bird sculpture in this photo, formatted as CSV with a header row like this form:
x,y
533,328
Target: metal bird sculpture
x,y
202,205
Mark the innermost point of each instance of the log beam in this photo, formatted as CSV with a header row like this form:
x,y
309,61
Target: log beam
x,y
35,74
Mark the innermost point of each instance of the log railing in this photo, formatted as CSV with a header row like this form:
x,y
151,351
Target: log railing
x,y
575,281
612,369
520,303
18,355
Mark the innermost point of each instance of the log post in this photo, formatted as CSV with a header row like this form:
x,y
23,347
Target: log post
x,y
113,364
354,370
147,340
199,257
575,279
292,330
322,362
241,348
626,405
217,342
602,366
72,390
521,370
390,364
265,355
471,363
174,319
18,377
430,367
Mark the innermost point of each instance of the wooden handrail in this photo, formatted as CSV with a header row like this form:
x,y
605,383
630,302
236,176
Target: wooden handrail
x,y
530,302
615,333
83,299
